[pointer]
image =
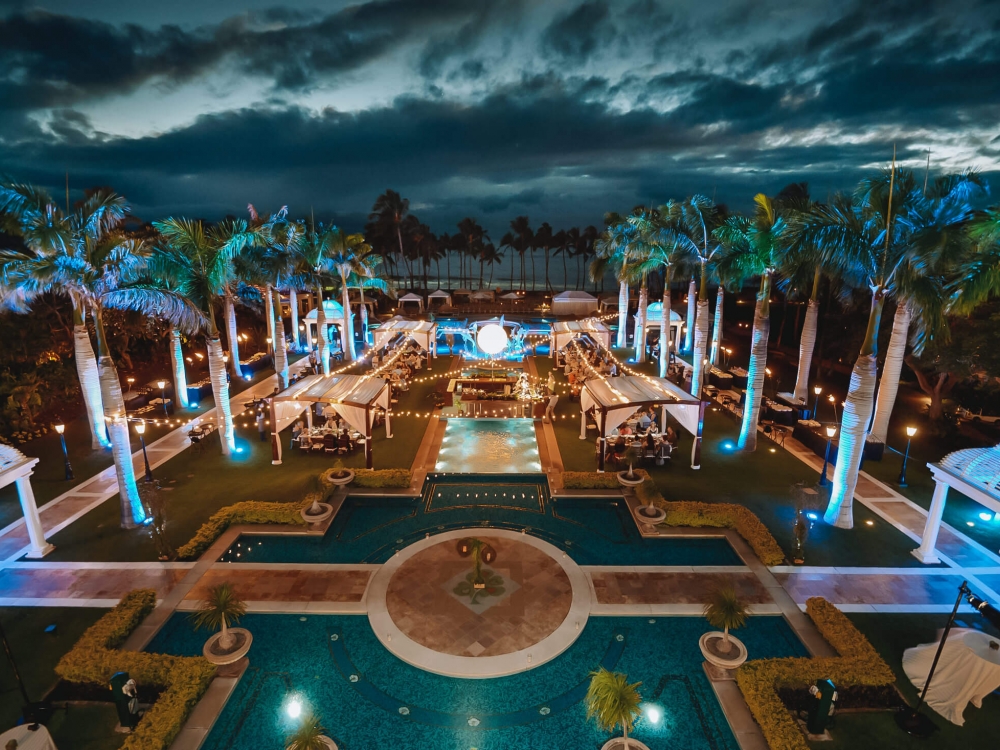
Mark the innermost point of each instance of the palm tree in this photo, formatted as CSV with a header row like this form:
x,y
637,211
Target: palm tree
x,y
612,252
523,239
200,261
613,702
104,271
726,611
29,212
388,216
545,239
221,609
281,239
755,248
309,736
349,255
866,238
312,270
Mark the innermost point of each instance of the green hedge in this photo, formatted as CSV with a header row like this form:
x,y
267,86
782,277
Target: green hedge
x,y
249,512
592,480
382,478
95,658
858,664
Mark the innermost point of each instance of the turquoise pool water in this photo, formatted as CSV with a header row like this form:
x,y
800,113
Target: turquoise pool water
x,y
369,700
489,446
593,531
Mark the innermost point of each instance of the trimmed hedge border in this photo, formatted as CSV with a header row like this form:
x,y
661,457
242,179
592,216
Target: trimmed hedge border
x,y
382,478
250,512
689,513
858,664
95,658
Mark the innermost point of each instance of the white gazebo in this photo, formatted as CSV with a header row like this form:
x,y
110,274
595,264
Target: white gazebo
x,y
614,400
653,312
440,297
423,332
17,468
411,299
482,295
353,396
574,303
611,302
564,332
334,312
975,472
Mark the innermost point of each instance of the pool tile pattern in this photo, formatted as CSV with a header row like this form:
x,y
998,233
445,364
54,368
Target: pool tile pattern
x,y
422,606
286,584
638,587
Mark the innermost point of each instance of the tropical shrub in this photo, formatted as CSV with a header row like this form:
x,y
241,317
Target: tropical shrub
x,y
592,480
382,477
249,512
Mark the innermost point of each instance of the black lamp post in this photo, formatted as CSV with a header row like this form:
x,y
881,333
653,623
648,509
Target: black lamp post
x,y
910,432
162,384
830,432
61,428
140,428
817,390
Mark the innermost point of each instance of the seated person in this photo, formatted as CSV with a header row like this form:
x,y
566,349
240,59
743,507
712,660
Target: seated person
x,y
620,447
672,436
644,420
650,442
625,430
344,441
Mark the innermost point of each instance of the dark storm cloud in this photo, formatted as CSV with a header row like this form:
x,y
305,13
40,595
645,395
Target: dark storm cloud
x,y
578,34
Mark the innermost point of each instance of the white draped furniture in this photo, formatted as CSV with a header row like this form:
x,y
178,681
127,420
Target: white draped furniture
x,y
565,331
17,468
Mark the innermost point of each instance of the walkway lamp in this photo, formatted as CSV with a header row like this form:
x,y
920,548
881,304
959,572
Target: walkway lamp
x,y
833,402
162,384
61,428
830,432
910,432
817,389
140,428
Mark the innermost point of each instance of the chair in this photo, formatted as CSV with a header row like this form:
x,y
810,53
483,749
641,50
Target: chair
x,y
330,443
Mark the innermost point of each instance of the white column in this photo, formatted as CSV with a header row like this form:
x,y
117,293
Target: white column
x,y
926,552
39,547
583,425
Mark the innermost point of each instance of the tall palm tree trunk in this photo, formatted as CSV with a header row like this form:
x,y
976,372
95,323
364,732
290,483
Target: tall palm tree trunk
x,y
90,381
888,386
807,342
692,303
269,314
322,340
548,284
665,342
757,368
220,390
364,316
132,512
720,299
640,323
293,304
622,340
348,331
700,337
854,422
280,343
180,375
534,280
565,270
234,336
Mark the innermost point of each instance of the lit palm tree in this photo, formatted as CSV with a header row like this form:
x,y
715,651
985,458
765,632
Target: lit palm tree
x,y
200,261
611,250
107,272
349,255
867,239
727,611
280,239
979,275
221,609
309,736
312,270
613,702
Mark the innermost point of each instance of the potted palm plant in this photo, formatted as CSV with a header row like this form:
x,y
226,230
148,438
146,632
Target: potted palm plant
x,y
338,474
221,609
724,610
612,702
309,736
630,478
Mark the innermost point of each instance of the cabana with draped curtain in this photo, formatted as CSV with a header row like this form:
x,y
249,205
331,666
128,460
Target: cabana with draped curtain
x,y
423,332
565,331
614,400
353,396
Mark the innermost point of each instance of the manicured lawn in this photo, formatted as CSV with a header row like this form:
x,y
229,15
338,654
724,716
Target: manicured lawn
x,y
891,635
761,481
196,484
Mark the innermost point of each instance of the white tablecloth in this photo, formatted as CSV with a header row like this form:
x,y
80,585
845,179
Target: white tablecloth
x,y
967,672
40,739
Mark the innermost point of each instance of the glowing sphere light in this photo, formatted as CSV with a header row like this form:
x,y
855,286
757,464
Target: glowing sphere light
x,y
492,338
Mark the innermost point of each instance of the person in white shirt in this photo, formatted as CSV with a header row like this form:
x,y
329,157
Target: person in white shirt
x,y
550,410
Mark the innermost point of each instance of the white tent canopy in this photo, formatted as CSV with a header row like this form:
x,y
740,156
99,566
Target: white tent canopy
x,y
565,331
614,400
481,295
511,295
412,298
353,396
574,303
439,294
424,332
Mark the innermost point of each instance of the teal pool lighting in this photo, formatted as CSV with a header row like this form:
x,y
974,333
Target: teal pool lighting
x,y
294,707
728,445
986,516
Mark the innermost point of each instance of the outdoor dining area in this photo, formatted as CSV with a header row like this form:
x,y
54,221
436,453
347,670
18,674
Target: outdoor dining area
x,y
637,440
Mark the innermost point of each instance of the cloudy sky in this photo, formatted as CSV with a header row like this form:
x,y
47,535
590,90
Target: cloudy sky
x,y
559,110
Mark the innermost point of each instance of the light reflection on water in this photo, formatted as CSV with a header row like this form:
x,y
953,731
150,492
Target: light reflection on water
x,y
492,446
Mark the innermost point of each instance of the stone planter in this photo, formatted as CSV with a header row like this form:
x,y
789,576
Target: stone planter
x,y
328,478
214,653
619,744
710,644
625,481
325,511
649,514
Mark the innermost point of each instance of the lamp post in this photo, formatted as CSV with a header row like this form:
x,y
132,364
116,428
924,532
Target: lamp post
x,y
833,402
162,384
140,428
818,389
830,432
910,432
61,428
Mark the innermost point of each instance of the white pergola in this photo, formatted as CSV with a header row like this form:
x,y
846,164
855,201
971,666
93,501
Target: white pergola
x,y
654,310
439,294
17,468
975,472
564,332
614,400
353,396
412,299
334,312
423,332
